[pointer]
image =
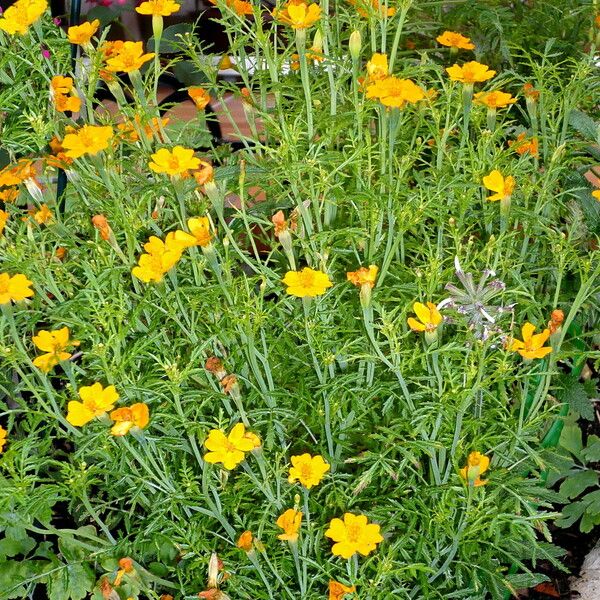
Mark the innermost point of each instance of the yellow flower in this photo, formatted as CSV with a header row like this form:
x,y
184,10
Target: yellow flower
x,y
200,233
240,7
176,162
3,434
43,215
204,174
471,72
338,590
135,416
306,283
96,401
394,92
128,57
64,95
532,345
494,99
14,288
161,257
596,194
377,67
524,144
299,15
363,276
308,470
228,449
477,464
158,8
429,317
21,15
17,173
9,194
89,139
54,344
200,97
3,218
455,40
290,522
503,186
82,34
353,534
245,541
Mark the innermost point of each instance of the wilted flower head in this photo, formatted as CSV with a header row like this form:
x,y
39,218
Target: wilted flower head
x,y
477,464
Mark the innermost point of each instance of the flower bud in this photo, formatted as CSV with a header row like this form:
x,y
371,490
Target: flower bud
x,y
355,44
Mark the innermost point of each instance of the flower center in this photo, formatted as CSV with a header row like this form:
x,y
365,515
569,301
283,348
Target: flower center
x,y
353,533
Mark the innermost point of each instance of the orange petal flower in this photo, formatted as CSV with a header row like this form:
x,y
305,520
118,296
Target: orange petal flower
x,y
394,92
82,34
338,590
158,8
477,464
126,418
455,40
532,345
471,72
200,97
298,15
494,99
496,182
127,57
353,534
290,522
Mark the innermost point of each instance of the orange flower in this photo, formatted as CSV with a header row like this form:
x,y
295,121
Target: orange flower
x,y
365,7
377,67
9,194
89,139
477,464
290,522
245,541
3,218
298,15
176,162
205,173
556,320
524,144
394,92
158,8
43,215
14,288
338,590
82,34
136,416
503,186
364,276
494,99
101,224
200,97
455,40
240,7
471,72
530,92
3,434
17,173
128,57
306,283
532,345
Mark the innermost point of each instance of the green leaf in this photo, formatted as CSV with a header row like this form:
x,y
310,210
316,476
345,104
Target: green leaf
x,y
570,439
72,582
573,485
526,580
12,547
589,521
570,514
585,126
575,395
187,72
592,451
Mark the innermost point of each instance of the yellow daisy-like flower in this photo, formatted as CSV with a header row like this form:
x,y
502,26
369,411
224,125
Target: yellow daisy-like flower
x,y
471,72
246,541
308,470
596,195
338,590
455,40
477,464
377,67
299,15
3,435
18,17
136,416
177,162
160,258
54,344
306,283
503,186
532,345
14,288
43,215
88,139
230,450
17,173
429,317
3,219
494,99
290,522
394,92
128,57
200,234
364,276
353,534
158,8
199,96
82,34
95,402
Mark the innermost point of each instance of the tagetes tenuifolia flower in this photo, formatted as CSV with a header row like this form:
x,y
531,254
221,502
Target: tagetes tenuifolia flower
x,y
307,283
240,7
429,317
176,162
364,276
290,522
596,194
477,464
199,96
299,15
200,234
100,222
82,34
494,99
230,450
308,470
18,17
471,72
96,400
128,57
503,186
455,40
556,320
523,144
532,345
9,194
14,288
42,215
17,173
64,95
88,139
3,219
245,541
160,258
394,92
377,69
338,590
54,344
3,435
136,416
158,8
353,534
